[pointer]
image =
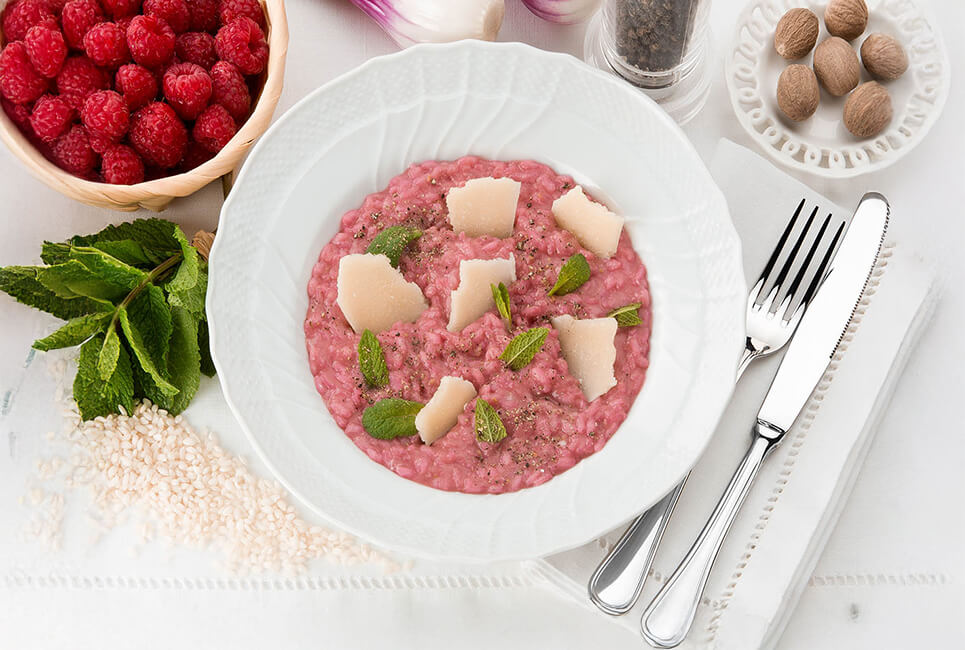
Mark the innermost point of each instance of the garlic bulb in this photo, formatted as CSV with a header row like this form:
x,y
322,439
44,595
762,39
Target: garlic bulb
x,y
435,21
565,12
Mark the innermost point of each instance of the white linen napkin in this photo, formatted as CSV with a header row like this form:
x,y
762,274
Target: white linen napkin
x,y
775,541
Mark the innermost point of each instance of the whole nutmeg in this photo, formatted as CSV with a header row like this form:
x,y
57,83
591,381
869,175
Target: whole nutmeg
x,y
883,56
797,92
846,18
796,33
837,66
867,111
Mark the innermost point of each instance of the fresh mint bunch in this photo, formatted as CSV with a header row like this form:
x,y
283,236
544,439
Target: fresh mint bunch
x,y
133,298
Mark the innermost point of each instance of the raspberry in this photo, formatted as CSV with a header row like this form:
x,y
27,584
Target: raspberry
x,y
187,87
106,117
106,45
56,6
204,15
77,18
230,90
243,43
196,47
214,128
19,114
78,78
137,84
158,135
151,41
72,152
46,49
122,8
122,166
51,117
19,82
195,156
21,15
231,9
174,12
124,23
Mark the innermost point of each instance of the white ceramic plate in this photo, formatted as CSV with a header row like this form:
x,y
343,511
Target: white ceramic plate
x,y
504,101
822,145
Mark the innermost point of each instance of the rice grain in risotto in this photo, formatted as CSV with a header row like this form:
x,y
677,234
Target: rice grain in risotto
x,y
551,425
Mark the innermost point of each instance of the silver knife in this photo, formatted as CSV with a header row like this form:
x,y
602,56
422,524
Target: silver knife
x,y
668,618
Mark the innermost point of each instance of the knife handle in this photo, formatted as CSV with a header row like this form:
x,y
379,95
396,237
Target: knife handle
x,y
668,618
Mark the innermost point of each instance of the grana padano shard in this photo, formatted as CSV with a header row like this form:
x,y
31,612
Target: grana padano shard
x,y
441,412
589,351
373,294
484,206
594,226
473,297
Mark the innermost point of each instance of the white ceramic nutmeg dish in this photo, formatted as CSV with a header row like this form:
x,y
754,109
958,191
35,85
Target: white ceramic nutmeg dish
x,y
822,145
501,101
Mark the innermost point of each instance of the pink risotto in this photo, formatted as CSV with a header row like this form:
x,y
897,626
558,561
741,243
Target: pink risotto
x,y
550,424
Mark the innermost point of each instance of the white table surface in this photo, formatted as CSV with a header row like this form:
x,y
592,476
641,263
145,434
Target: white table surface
x,y
907,501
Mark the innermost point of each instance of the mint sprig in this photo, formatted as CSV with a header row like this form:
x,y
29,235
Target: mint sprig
x,y
487,424
133,298
628,315
501,298
524,347
392,241
372,361
391,418
573,274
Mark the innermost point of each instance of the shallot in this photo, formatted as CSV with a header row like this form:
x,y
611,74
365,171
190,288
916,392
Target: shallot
x,y
435,21
565,12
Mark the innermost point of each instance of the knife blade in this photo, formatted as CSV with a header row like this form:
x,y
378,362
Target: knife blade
x,y
827,318
668,618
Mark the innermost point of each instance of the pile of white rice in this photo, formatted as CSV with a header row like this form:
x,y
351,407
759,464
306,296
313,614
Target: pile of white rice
x,y
186,489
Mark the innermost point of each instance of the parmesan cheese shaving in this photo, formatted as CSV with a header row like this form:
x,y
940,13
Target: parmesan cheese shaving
x,y
594,226
439,415
373,295
484,206
473,297
589,351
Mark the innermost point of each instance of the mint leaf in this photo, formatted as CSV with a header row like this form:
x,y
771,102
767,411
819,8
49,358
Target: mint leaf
x,y
391,418
501,297
392,241
23,284
627,316
76,331
372,361
109,354
109,270
146,324
191,299
204,346
96,397
73,279
183,367
125,250
489,427
186,277
573,274
156,237
524,347
53,253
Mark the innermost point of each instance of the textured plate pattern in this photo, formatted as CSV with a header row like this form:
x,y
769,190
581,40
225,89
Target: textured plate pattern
x,y
507,101
821,145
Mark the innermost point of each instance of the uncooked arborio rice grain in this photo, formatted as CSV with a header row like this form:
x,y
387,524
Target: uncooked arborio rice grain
x,y
191,490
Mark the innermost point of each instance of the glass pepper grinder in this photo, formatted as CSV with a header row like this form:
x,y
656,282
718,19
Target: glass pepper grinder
x,y
659,46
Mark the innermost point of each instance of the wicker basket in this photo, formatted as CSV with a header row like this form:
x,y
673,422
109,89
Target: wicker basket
x,y
156,194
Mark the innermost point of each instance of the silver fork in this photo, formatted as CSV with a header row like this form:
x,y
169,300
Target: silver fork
x,y
775,306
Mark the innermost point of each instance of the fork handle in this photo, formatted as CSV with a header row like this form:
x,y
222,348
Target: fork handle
x,y
668,618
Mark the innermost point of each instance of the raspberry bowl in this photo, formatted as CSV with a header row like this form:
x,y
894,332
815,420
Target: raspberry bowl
x,y
125,104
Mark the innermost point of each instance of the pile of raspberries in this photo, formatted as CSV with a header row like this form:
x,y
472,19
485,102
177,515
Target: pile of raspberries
x,y
118,91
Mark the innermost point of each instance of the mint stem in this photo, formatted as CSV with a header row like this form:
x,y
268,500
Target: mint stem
x,y
153,275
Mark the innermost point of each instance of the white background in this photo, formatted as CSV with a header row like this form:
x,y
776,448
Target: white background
x,y
906,505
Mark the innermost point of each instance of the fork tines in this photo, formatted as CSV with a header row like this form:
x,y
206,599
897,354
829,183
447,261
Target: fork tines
x,y
799,263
